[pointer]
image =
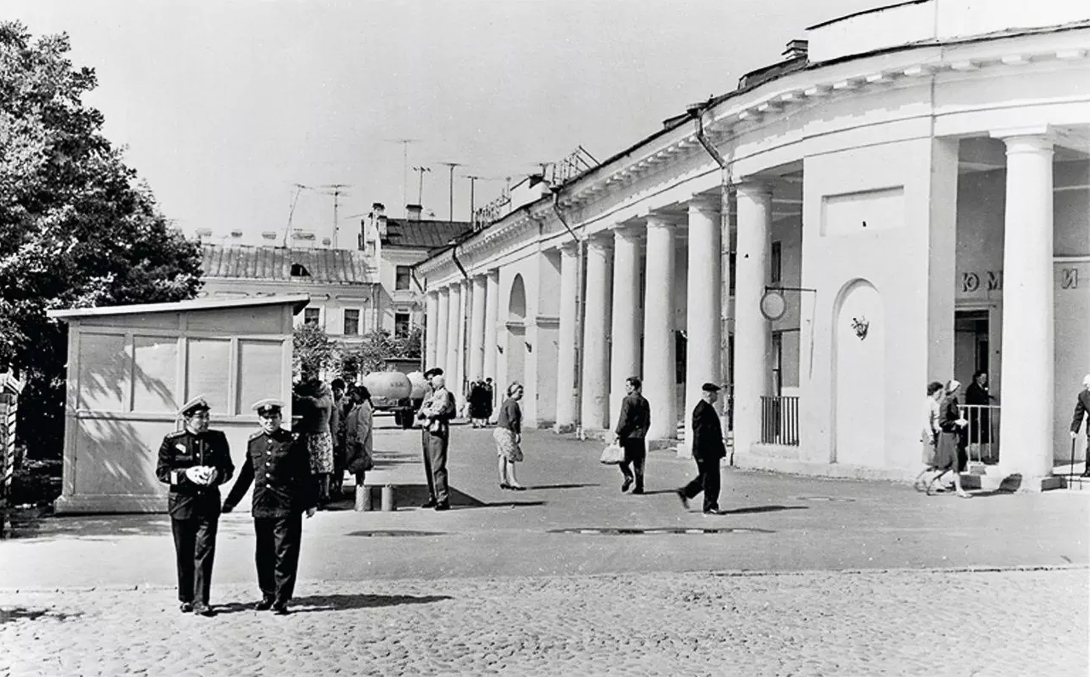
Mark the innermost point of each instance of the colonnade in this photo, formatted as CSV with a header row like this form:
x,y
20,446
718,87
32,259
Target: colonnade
x,y
619,335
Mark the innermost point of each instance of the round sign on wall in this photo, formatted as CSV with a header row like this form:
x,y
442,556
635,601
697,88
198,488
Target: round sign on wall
x,y
773,305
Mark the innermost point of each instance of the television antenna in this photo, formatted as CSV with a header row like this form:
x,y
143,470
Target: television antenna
x,y
405,168
451,190
336,190
420,183
299,188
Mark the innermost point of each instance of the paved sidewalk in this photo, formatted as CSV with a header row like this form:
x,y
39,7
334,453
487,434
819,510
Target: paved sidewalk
x,y
870,623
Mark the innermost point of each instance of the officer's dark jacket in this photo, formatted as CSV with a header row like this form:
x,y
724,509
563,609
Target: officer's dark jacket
x,y
183,449
278,466
708,438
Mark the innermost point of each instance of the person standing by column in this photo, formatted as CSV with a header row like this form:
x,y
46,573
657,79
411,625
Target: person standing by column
x,y
1083,409
436,413
632,427
194,461
337,431
508,436
279,467
708,449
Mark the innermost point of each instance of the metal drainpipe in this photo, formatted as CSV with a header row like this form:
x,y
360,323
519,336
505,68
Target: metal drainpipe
x,y
580,272
725,247
462,325
424,325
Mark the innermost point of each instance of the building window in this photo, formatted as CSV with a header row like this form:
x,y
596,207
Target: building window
x,y
401,324
299,270
401,280
774,264
731,274
311,315
352,322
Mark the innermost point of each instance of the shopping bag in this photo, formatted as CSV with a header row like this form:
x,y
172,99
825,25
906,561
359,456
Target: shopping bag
x,y
612,455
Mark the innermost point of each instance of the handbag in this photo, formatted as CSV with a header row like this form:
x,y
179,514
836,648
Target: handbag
x,y
612,455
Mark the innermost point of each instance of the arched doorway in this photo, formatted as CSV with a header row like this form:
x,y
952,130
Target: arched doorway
x,y
516,344
859,376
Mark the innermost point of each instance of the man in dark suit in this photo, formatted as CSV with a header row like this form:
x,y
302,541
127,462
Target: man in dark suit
x,y
632,427
1083,408
436,413
708,449
279,468
194,461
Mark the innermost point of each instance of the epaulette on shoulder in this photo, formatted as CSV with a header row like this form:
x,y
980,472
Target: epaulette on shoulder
x,y
176,433
256,435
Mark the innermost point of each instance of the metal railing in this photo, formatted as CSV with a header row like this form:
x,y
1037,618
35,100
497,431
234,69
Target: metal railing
x,y
780,420
982,432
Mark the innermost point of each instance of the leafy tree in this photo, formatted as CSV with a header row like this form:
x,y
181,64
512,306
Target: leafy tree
x,y
77,228
312,350
375,349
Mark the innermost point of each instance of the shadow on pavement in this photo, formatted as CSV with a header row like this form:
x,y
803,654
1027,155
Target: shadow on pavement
x,y
563,486
41,524
361,601
23,614
763,508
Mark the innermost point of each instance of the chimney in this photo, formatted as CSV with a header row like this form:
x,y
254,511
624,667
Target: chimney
x,y
412,212
796,49
380,222
236,235
203,234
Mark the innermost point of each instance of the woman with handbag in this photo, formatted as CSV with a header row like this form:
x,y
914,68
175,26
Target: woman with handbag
x,y
508,435
951,425
359,447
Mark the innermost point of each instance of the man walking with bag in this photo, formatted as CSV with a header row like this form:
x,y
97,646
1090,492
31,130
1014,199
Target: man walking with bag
x,y
632,427
708,449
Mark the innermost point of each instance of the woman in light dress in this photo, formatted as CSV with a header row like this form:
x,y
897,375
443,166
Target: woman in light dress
x,y
929,432
508,435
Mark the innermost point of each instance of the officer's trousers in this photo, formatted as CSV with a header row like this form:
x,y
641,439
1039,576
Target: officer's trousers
x,y
194,550
277,555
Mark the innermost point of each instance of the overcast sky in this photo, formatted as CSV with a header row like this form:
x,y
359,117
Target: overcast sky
x,y
224,105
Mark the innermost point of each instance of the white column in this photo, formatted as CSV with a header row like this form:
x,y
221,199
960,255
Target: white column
x,y
477,330
458,384
442,329
431,322
627,318
702,305
453,325
660,387
566,338
1026,435
594,404
752,333
492,314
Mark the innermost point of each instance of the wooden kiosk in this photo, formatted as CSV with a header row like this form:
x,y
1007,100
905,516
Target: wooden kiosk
x,y
130,368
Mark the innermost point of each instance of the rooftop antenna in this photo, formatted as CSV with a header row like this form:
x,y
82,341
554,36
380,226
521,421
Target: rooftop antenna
x,y
405,169
451,190
335,189
420,183
473,180
299,188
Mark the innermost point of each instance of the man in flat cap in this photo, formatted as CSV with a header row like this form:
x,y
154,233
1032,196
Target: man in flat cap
x,y
708,449
279,468
436,413
194,461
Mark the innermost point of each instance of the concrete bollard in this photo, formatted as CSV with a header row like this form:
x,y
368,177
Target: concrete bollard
x,y
389,505
363,498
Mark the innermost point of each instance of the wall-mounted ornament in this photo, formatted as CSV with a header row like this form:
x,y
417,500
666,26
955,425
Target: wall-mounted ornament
x,y
860,326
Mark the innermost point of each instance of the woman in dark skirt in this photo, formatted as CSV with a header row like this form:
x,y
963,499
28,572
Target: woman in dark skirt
x,y
951,426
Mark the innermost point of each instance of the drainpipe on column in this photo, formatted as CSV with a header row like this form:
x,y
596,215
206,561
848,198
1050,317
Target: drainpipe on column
x,y
424,327
463,321
580,272
697,112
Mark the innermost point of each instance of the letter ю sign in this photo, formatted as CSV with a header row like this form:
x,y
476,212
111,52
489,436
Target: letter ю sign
x,y
993,281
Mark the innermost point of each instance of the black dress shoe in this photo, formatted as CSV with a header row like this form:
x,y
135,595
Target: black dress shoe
x,y
638,490
264,605
186,607
626,484
443,506
682,497
505,485
430,504
203,610
280,608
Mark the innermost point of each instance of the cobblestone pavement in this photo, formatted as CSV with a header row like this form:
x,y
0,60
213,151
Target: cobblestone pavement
x,y
931,622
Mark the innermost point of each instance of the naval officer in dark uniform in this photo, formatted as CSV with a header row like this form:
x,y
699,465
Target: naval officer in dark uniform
x,y
278,466
194,461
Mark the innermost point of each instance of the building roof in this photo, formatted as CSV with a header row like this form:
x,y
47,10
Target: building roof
x,y
298,301
423,234
323,266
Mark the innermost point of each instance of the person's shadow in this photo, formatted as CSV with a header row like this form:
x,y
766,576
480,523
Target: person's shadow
x,y
338,602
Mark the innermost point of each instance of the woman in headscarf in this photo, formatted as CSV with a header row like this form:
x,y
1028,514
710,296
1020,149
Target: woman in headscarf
x,y
313,402
508,435
359,449
951,425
